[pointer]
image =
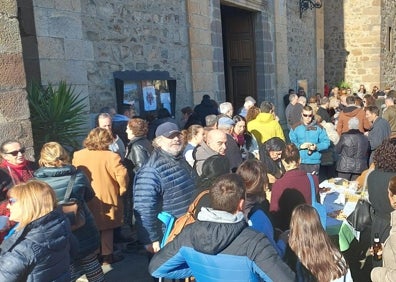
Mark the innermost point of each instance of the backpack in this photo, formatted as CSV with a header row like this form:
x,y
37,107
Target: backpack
x,y
185,219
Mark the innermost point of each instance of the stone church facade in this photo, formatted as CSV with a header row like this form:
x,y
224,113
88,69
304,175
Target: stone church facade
x,y
227,49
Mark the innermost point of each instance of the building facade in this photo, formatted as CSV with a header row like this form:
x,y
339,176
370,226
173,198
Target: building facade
x,y
227,49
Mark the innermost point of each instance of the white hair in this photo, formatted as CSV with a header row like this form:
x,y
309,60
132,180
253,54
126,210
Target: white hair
x,y
225,107
353,123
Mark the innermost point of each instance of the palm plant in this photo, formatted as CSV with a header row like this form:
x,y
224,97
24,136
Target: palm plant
x,y
57,114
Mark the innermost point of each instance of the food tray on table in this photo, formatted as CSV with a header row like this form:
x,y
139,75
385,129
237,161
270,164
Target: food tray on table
x,y
341,185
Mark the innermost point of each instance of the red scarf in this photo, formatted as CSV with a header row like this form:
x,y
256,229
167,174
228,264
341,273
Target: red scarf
x,y
240,139
19,173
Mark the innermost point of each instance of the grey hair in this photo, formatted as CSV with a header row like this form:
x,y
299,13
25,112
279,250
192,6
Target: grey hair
x,y
353,123
225,107
302,99
211,120
292,97
104,115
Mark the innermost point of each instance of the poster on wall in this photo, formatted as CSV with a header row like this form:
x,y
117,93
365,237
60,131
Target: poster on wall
x,y
166,101
149,98
145,92
132,95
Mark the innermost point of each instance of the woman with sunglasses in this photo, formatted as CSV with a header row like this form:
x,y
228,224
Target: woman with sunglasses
x,y
15,163
40,246
19,170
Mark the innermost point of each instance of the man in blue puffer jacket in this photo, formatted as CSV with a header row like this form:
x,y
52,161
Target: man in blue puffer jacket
x,y
165,183
310,138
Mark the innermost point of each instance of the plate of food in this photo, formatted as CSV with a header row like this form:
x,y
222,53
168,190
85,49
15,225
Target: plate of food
x,y
339,181
326,190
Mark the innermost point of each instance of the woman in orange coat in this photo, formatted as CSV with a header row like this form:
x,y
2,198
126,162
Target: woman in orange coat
x,y
109,179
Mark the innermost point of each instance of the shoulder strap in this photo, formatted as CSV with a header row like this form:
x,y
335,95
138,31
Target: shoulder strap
x,y
194,156
313,192
70,186
193,206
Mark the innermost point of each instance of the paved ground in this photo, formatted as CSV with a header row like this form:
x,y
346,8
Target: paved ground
x,y
132,269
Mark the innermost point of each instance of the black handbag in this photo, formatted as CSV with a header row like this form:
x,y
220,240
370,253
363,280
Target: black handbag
x,y
360,218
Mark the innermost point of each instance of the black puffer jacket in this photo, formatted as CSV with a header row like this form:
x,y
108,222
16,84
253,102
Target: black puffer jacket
x,y
352,150
38,252
58,178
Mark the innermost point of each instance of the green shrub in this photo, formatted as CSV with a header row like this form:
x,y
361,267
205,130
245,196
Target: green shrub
x,y
344,85
57,114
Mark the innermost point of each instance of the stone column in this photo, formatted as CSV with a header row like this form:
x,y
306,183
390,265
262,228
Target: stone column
x,y
14,108
281,54
320,50
201,50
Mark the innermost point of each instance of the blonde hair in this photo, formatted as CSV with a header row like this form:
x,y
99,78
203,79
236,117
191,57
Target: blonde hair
x,y
98,139
36,198
53,155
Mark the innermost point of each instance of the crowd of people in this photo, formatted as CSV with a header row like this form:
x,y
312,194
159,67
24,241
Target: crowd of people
x,y
256,220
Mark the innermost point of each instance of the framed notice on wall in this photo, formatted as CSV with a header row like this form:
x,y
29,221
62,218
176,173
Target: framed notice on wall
x,y
146,92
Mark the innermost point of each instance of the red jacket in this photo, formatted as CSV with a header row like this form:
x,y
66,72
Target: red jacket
x,y
295,179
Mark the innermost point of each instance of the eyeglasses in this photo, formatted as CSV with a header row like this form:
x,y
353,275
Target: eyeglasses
x,y
12,201
304,115
15,153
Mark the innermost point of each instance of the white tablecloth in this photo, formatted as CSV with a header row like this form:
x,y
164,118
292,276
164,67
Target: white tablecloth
x,y
339,198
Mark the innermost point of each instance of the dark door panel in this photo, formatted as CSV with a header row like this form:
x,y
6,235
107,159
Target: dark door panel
x,y
239,55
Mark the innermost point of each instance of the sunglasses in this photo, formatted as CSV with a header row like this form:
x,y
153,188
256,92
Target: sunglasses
x,y
11,201
15,153
304,115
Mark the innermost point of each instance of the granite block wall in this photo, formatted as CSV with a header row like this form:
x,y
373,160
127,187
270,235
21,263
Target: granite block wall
x,y
14,109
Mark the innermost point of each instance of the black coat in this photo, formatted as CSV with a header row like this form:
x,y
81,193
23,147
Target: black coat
x,y
377,184
58,179
138,151
204,109
39,252
352,152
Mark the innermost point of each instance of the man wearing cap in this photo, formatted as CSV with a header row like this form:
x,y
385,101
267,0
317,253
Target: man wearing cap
x,y
249,102
233,153
165,183
265,126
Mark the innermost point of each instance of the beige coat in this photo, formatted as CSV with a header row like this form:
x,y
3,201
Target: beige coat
x,y
109,179
387,273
